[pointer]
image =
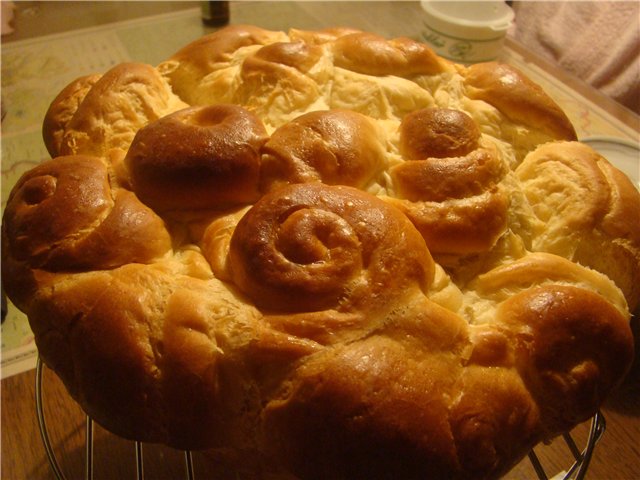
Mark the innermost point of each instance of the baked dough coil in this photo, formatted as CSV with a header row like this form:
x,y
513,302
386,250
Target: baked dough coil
x,y
66,215
281,78
201,65
109,112
587,211
334,254
517,102
450,182
371,54
199,157
311,247
335,147
62,109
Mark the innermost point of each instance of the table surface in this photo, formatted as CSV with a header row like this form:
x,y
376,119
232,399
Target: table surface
x,y
35,67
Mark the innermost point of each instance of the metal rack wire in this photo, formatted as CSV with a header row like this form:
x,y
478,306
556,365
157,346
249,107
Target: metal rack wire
x,y
576,471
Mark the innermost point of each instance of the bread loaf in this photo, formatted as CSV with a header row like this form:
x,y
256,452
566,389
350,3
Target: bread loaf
x,y
336,253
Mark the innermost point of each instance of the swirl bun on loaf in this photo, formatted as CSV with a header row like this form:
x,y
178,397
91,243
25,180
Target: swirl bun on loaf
x,y
279,78
110,227
449,185
201,71
336,147
111,111
332,254
310,247
199,157
65,215
62,109
587,213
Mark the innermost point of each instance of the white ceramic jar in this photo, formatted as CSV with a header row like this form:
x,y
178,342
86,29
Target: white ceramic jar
x,y
466,31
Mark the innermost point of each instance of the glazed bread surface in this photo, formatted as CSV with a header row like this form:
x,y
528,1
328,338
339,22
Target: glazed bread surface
x,y
335,253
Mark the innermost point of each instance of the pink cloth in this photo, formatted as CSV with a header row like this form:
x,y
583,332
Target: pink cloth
x,y
597,41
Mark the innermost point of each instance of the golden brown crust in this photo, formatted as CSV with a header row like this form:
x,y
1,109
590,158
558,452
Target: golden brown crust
x,y
518,98
122,101
546,321
494,420
441,179
336,147
459,226
279,70
298,55
108,228
539,267
312,247
210,49
187,67
450,182
360,399
319,37
215,242
439,133
216,275
62,109
374,55
200,157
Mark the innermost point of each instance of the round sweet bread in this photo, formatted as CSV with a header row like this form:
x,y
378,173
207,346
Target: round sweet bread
x,y
336,253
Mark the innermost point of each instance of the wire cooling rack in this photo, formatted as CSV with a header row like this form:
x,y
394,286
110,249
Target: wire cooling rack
x,y
576,471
